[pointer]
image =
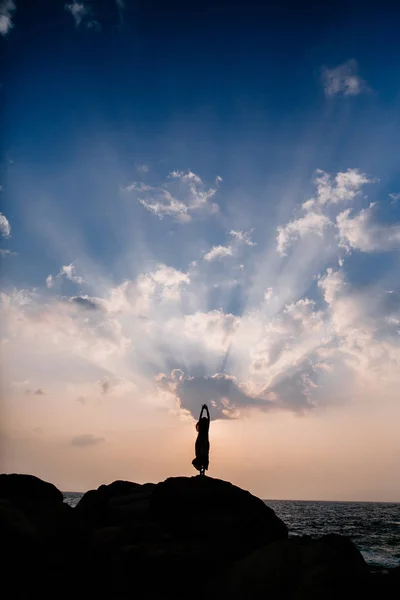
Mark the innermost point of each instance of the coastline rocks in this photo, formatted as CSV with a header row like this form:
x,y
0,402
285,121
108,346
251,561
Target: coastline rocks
x,y
299,568
215,512
29,493
119,503
195,536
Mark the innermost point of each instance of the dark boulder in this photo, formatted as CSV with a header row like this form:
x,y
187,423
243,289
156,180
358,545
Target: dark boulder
x,y
119,503
216,513
29,493
41,503
299,568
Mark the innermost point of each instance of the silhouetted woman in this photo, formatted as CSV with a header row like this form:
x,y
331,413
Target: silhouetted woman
x,y
202,446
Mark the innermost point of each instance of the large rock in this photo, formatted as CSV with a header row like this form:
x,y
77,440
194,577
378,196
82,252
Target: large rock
x,y
29,493
120,503
215,513
299,568
41,502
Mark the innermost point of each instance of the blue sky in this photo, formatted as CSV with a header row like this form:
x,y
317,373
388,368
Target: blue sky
x,y
200,202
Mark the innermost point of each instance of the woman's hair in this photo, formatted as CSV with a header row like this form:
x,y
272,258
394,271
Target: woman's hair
x,y
201,424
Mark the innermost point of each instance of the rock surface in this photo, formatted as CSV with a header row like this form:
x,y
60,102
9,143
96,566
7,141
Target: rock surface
x,y
215,512
329,567
28,493
185,537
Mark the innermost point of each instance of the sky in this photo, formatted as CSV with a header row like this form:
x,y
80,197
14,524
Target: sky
x,y
200,202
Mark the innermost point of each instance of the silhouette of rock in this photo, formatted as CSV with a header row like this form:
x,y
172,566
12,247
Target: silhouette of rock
x,y
29,493
195,536
300,568
119,503
215,512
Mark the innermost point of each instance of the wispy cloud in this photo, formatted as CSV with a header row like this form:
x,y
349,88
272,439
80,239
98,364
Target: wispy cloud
x,y
311,223
362,233
239,238
343,80
37,392
242,236
121,7
316,211
78,11
69,272
5,252
86,439
218,252
394,197
5,228
7,8
178,335
181,197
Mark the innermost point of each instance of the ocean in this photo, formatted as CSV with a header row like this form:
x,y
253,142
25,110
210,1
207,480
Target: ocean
x,y
374,527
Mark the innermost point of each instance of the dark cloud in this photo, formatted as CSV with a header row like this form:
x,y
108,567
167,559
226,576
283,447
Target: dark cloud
x,y
105,385
294,391
38,392
224,395
81,399
86,439
85,302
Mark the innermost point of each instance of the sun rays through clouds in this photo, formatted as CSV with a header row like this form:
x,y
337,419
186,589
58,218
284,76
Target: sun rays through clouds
x,y
181,336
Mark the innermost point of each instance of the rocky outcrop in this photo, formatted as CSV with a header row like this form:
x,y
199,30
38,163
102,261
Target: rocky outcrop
x,y
299,568
197,537
119,503
28,493
216,513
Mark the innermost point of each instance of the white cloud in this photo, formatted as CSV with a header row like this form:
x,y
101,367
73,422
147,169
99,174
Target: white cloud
x,y
167,206
7,7
215,329
69,272
4,252
276,355
78,10
311,223
344,187
361,233
5,228
242,236
218,252
186,176
365,329
181,197
330,191
282,339
170,281
268,294
343,80
49,281
395,197
138,187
